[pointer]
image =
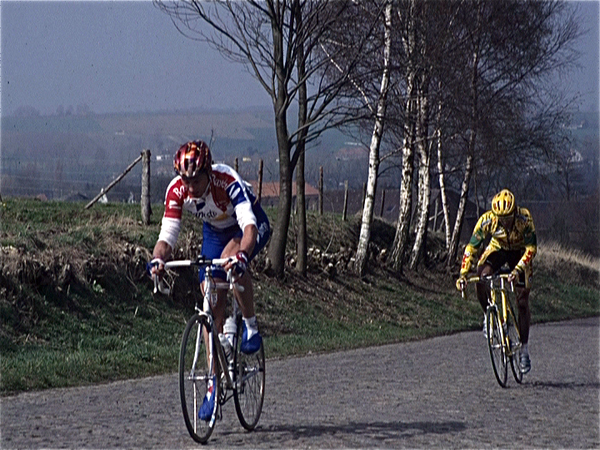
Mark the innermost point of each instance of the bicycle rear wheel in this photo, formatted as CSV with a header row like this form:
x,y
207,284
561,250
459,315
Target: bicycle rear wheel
x,y
249,382
514,341
194,377
496,347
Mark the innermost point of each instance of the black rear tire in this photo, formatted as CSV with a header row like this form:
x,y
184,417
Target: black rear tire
x,y
249,381
514,340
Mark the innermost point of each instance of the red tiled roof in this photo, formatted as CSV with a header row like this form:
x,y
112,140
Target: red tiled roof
x,y
271,189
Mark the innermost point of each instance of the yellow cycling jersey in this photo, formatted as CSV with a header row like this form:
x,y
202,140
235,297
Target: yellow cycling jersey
x,y
522,237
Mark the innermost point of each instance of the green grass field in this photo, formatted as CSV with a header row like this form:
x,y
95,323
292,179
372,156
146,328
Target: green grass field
x,y
76,305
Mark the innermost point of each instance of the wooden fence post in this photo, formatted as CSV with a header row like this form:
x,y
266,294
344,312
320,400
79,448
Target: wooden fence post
x,y
112,184
145,197
260,178
321,190
235,165
345,211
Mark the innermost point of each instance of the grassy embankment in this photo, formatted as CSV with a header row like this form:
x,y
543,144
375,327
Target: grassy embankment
x,y
76,306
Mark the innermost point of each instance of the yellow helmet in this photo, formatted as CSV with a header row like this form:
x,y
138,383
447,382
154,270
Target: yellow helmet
x,y
503,203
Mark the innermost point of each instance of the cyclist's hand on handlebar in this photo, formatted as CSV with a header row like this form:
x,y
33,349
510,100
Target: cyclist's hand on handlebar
x,y
156,267
240,263
461,283
514,275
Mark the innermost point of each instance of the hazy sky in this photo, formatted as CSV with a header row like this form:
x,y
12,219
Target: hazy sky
x,y
112,56
128,56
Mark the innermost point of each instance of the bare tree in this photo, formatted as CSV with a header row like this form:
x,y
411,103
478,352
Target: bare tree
x,y
302,244
269,37
510,58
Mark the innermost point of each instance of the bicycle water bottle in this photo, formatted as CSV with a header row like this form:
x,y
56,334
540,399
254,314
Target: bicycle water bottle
x,y
229,329
227,348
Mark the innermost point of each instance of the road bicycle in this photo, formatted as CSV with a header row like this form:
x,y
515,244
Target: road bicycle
x,y
203,358
502,327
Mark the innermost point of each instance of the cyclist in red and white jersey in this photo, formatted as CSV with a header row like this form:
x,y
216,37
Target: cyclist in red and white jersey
x,y
234,225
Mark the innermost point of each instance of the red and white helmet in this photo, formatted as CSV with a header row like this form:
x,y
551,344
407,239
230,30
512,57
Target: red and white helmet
x,y
192,159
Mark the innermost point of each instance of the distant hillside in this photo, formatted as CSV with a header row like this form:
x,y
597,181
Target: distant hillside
x,y
62,156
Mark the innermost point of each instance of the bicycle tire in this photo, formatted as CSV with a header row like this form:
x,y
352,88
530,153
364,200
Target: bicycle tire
x,y
193,382
514,342
249,392
496,346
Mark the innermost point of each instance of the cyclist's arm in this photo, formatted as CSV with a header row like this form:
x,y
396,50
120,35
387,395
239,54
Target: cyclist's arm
x,y
530,241
170,225
161,253
244,215
162,250
249,239
472,248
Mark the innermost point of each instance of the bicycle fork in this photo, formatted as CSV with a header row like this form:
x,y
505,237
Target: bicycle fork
x,y
500,314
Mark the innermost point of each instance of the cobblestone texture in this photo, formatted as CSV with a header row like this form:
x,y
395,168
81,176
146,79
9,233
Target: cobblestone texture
x,y
437,393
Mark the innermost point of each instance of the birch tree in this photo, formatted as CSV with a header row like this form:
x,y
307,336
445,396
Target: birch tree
x,y
411,41
367,215
424,183
510,59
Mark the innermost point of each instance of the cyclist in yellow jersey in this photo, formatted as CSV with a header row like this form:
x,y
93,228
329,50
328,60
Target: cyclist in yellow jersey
x,y
513,242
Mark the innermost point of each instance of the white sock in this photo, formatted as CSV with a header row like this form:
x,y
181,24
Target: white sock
x,y
251,326
524,349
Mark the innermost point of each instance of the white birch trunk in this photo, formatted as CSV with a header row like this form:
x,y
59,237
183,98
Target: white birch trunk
x,y
464,191
460,213
405,207
367,216
441,176
424,182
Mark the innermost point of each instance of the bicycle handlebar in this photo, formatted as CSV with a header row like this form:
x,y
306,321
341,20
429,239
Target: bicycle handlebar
x,y
160,286
200,261
487,278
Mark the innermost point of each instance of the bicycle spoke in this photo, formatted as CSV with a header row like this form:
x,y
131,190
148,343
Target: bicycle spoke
x,y
514,341
194,378
250,385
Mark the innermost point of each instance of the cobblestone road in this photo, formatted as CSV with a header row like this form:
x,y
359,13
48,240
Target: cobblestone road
x,y
439,392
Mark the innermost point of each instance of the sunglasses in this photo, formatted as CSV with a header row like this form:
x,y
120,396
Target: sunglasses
x,y
505,220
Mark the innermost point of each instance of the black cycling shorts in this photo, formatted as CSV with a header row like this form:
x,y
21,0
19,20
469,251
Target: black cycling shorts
x,y
498,258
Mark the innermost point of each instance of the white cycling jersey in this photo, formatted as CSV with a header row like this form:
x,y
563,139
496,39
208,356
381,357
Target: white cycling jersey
x,y
227,202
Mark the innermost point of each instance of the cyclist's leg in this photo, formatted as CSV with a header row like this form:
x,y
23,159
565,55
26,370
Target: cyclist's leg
x,y
524,324
524,314
246,299
492,263
482,289
522,294
213,243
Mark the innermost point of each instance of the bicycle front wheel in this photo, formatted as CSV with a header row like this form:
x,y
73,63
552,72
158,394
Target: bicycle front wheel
x,y
496,346
195,377
249,381
514,342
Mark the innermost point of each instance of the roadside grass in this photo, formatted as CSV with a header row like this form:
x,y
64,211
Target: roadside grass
x,y
76,307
